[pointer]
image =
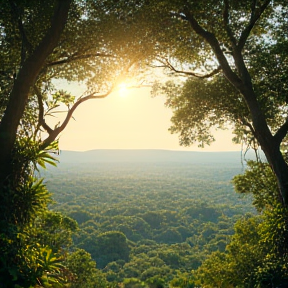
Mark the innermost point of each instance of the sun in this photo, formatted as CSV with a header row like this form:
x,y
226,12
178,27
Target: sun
x,y
123,90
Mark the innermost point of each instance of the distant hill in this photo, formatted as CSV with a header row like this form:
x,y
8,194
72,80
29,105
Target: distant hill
x,y
148,156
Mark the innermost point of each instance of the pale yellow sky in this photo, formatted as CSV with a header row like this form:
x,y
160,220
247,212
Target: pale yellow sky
x,y
131,121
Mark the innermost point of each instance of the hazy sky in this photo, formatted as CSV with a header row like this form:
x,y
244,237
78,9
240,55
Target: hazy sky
x,y
129,119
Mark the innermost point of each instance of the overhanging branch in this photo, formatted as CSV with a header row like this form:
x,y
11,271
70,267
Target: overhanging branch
x,y
211,39
53,134
76,57
166,64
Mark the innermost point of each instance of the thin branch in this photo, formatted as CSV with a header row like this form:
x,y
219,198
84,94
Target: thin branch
x,y
249,125
167,64
254,17
54,133
281,133
41,120
140,86
214,44
76,57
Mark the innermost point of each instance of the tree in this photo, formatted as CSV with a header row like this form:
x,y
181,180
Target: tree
x,y
257,253
255,257
111,246
258,180
55,230
84,270
30,60
234,54
42,42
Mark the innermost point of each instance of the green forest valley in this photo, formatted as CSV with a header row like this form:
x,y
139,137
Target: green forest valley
x,y
155,224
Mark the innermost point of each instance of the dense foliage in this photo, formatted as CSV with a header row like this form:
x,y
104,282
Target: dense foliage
x,y
145,222
42,45
169,229
234,57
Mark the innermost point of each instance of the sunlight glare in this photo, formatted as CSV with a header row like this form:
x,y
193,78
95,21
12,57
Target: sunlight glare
x,y
123,90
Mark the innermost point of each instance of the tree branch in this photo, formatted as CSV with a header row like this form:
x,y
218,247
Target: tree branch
x,y
242,82
167,64
281,133
41,120
76,57
53,134
249,125
254,17
214,44
24,81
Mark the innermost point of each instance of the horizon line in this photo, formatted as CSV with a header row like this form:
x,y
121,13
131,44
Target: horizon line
x,y
151,149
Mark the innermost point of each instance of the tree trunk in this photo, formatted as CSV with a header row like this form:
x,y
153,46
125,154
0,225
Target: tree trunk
x,y
25,79
280,169
269,144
